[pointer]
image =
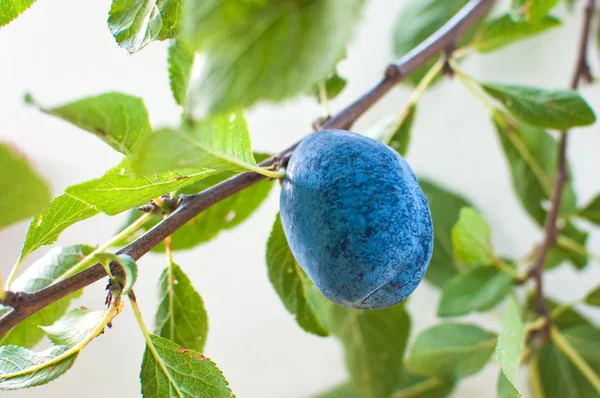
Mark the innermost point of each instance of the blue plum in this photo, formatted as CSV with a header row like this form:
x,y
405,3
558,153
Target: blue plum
x,y
356,219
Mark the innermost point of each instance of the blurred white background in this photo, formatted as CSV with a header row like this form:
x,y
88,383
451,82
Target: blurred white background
x,y
61,50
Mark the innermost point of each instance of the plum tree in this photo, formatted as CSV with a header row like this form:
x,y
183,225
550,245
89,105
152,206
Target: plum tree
x,y
356,230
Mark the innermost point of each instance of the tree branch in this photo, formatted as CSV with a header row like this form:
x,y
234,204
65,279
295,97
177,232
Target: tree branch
x,y
562,176
26,304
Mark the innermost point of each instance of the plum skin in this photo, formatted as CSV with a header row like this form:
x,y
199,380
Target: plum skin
x,y
356,219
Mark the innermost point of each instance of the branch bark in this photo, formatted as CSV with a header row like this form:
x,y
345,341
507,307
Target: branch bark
x,y
581,71
25,304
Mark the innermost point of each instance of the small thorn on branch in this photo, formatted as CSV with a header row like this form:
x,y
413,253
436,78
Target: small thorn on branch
x,y
167,205
393,73
12,299
447,54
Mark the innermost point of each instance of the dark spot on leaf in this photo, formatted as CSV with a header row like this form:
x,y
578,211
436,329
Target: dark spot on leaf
x,y
101,132
182,350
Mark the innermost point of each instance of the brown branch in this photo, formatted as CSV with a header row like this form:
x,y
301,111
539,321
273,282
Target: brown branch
x,y
26,304
582,71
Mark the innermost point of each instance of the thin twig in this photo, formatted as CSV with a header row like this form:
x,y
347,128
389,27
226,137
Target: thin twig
x,y
562,177
26,304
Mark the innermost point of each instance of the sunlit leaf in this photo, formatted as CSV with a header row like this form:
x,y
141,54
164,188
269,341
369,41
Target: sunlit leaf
x,y
64,211
445,208
224,215
10,9
45,271
171,371
268,49
181,60
118,119
180,316
219,143
135,23
533,10
21,367
471,239
25,193
508,350
120,189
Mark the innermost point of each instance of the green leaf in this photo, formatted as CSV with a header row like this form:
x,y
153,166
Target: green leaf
x,y
224,215
118,119
505,388
571,5
21,367
219,143
479,289
64,211
445,207
593,297
414,386
508,350
169,370
252,44
471,239
344,391
557,376
120,189
584,339
128,265
507,29
10,9
591,211
181,61
374,343
533,10
45,271
74,327
566,318
417,21
397,134
135,23
531,155
550,109
25,193
451,349
16,359
180,316
334,85
292,284
559,253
